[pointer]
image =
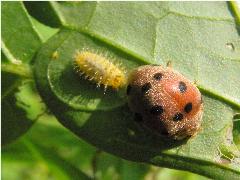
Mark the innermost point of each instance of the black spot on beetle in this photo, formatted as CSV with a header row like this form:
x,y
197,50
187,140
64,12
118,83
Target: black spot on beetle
x,y
146,87
138,117
188,107
182,87
158,76
129,89
178,117
156,110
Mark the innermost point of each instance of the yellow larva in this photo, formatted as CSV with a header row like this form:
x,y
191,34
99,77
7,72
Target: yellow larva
x,y
99,69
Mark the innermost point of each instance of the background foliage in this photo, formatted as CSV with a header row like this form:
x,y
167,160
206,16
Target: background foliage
x,y
201,40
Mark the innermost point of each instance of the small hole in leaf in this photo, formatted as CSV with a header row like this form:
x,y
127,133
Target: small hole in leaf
x,y
230,46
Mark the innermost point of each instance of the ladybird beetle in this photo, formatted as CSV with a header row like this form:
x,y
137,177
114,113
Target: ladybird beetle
x,y
165,101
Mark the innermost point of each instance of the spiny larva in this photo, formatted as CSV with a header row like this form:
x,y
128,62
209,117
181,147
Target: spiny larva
x,y
165,101
99,69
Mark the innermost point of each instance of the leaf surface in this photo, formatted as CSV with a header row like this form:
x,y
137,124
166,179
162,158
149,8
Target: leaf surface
x,y
202,42
15,40
21,104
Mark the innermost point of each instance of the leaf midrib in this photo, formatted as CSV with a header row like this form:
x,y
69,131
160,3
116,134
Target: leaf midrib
x,y
197,160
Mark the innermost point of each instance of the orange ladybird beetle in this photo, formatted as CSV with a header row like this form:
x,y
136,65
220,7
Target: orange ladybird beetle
x,y
165,101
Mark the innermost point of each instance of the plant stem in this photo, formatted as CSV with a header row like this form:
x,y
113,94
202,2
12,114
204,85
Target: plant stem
x,y
235,7
23,70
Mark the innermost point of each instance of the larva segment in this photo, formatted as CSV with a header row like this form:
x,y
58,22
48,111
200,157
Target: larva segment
x,y
99,69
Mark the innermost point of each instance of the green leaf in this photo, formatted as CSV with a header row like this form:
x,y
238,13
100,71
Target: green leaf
x,y
66,145
21,106
80,154
66,84
44,12
199,38
17,45
110,167
44,163
45,32
175,174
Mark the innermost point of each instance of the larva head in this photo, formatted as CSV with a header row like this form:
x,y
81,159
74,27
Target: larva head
x,y
165,101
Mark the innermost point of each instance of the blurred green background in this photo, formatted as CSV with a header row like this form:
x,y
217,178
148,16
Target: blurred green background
x,y
50,151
